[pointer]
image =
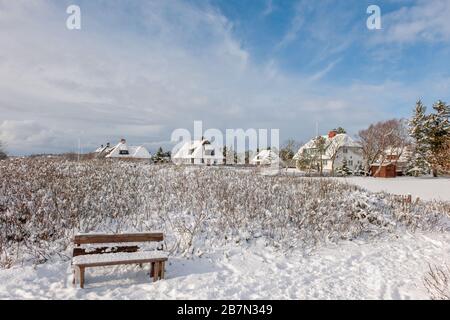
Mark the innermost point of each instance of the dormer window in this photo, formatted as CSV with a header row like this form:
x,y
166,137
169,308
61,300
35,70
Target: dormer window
x,y
123,152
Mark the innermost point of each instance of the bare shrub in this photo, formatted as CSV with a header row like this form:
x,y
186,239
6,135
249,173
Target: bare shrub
x,y
44,201
437,282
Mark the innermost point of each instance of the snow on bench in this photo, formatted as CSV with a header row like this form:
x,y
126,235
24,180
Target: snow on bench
x,y
119,258
91,247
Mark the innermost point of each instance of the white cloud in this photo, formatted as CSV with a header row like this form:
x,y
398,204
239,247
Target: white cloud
x,y
322,73
426,20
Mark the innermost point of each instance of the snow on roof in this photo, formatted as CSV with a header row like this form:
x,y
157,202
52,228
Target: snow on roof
x,y
384,164
266,157
194,149
102,149
331,144
122,150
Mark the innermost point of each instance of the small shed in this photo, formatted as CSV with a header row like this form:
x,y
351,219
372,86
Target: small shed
x,y
388,170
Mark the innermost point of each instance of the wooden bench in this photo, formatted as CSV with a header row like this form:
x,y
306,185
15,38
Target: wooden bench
x,y
97,250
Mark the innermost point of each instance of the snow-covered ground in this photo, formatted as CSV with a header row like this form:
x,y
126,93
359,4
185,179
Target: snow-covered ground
x,y
425,188
391,268
230,234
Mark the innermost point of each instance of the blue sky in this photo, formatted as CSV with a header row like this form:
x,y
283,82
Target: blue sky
x,y
333,36
140,69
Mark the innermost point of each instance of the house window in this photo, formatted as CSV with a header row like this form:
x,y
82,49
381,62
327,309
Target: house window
x,y
123,152
345,150
350,162
325,162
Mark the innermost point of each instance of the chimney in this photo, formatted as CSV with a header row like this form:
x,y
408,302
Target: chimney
x,y
123,141
108,144
332,134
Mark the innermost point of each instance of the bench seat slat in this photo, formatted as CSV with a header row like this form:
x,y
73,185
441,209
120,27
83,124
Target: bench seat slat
x,y
119,258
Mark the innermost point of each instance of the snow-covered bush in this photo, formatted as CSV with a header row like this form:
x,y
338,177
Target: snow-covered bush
x,y
44,201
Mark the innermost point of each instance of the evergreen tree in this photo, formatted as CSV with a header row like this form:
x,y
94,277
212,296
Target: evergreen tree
x,y
359,171
437,127
418,163
159,156
344,169
340,130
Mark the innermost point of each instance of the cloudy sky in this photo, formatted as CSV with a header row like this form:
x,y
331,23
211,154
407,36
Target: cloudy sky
x,y
140,69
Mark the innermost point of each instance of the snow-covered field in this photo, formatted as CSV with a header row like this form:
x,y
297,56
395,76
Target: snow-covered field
x,y
391,268
230,233
425,188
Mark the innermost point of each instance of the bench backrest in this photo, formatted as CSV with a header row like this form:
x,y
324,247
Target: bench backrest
x,y
116,238
107,239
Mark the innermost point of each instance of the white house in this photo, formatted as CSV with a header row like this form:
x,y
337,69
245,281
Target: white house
x,y
338,147
199,152
266,157
123,151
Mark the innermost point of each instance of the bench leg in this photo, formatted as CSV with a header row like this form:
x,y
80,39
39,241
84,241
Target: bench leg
x,y
152,269
156,272
163,264
81,275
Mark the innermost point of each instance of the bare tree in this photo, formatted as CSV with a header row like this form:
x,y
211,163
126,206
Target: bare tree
x,y
384,139
320,148
288,151
2,153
